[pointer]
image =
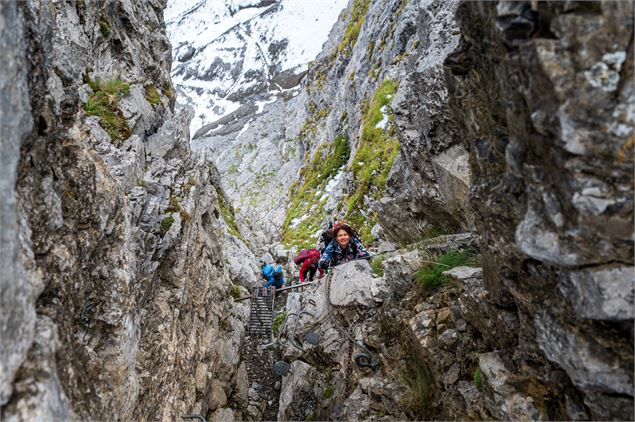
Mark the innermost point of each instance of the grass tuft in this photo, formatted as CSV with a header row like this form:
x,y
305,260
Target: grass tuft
x,y
227,211
105,27
277,322
166,223
478,378
376,265
328,392
430,275
234,291
152,95
104,103
358,16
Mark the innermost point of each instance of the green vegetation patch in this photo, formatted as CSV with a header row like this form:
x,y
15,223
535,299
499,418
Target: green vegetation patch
x,y
104,103
430,275
305,201
328,392
227,211
315,116
418,379
166,223
277,322
105,27
358,16
376,265
235,291
478,378
373,160
152,95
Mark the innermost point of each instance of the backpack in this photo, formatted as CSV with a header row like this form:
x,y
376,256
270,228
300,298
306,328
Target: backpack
x,y
277,276
304,255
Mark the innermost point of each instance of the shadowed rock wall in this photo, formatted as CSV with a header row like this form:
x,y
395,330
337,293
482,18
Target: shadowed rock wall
x,y
114,292
542,96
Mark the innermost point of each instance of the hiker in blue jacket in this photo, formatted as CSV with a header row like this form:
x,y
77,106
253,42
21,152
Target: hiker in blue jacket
x,y
344,247
273,275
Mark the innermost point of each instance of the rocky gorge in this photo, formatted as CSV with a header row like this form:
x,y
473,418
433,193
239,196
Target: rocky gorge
x,y
483,150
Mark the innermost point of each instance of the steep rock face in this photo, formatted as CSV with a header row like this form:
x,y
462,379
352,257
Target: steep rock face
x,y
430,180
349,131
543,101
115,283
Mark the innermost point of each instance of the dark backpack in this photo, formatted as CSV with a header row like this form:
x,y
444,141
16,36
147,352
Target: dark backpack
x,y
277,275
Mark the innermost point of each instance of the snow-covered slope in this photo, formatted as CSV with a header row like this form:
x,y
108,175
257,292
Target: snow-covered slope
x,y
235,56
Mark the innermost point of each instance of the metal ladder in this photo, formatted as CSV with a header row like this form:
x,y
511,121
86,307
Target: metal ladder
x,y
261,314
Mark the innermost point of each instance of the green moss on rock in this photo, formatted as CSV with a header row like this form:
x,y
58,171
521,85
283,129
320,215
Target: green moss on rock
x,y
104,103
373,160
358,16
152,95
306,203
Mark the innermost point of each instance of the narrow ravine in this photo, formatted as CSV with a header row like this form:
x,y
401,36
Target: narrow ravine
x,y
151,157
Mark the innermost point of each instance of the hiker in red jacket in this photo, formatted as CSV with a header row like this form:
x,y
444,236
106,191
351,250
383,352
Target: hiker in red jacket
x,y
309,259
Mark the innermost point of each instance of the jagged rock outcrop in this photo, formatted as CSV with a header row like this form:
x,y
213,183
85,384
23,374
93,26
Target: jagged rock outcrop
x,y
548,88
431,177
115,295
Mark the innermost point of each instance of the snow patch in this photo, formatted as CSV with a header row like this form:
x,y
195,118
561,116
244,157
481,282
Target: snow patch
x,y
384,119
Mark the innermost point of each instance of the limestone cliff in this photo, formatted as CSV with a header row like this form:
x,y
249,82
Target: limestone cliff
x,y
114,287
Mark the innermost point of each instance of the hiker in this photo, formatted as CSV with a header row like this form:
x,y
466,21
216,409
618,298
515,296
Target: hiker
x,y
343,248
309,260
274,276
326,237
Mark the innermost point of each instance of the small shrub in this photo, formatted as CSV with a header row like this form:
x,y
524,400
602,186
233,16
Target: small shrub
x,y
105,27
430,276
166,223
328,392
277,322
234,291
152,95
376,265
478,378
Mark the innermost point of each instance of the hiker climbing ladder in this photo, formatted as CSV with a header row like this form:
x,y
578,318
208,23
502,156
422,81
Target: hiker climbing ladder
x,y
261,315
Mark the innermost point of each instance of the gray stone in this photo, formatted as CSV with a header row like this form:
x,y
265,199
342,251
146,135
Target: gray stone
x,y
507,402
452,375
17,321
601,293
464,273
351,284
588,366
223,415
